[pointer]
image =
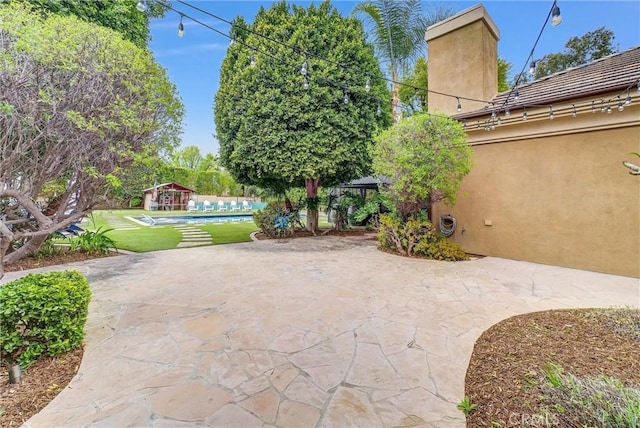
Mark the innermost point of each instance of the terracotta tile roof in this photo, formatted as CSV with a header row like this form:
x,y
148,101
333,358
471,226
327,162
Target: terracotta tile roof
x,y
615,72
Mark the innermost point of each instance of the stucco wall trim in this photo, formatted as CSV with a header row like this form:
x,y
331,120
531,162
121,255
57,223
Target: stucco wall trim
x,y
466,17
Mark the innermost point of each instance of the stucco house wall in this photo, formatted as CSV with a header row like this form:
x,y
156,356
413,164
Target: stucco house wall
x,y
563,199
545,190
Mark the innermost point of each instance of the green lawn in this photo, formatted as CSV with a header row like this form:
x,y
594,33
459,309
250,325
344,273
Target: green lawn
x,y
153,238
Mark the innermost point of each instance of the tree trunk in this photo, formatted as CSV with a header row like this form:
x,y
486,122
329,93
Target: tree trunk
x,y
395,96
312,185
27,249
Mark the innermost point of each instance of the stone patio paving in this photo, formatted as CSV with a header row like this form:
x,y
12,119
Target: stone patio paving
x,y
325,332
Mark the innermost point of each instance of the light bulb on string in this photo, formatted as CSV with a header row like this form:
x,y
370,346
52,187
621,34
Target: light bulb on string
x,y
620,104
252,61
346,97
609,108
180,27
556,19
305,83
574,113
141,6
367,85
303,69
459,107
532,67
499,121
378,110
551,115
593,106
525,116
516,96
507,113
602,106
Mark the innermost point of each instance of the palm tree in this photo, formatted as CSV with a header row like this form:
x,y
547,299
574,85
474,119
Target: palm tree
x,y
397,29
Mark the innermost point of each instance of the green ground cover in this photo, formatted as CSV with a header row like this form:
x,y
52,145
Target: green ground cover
x,y
153,238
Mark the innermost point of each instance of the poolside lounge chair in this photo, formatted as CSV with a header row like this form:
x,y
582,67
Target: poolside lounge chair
x,y
234,206
191,206
246,206
221,206
74,229
207,206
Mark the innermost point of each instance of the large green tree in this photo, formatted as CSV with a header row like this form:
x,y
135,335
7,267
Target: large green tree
x,y
578,50
77,102
426,157
118,15
397,29
276,133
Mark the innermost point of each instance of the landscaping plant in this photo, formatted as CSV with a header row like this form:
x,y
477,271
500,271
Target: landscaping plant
x,y
416,237
42,314
276,220
93,242
590,401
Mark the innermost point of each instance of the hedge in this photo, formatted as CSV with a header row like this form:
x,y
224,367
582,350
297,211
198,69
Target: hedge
x,y
42,314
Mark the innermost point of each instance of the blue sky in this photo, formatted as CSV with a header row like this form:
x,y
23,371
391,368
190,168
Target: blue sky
x,y
193,61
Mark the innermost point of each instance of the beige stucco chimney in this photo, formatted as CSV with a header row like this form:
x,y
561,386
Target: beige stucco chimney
x,y
463,60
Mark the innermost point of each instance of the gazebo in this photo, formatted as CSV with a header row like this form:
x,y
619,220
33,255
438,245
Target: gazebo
x,y
167,197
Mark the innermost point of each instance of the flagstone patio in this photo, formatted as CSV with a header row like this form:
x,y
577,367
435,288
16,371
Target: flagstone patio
x,y
324,332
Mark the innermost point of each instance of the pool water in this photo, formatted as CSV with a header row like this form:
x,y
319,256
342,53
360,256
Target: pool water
x,y
193,219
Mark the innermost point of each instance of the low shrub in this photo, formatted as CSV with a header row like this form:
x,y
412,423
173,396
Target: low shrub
x,y
416,237
42,314
275,220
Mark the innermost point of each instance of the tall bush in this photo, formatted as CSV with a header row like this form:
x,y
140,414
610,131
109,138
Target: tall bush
x,y
42,314
426,157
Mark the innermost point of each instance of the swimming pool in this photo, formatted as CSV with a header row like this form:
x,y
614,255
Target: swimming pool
x,y
192,219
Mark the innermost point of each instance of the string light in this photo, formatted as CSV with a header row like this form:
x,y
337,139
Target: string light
x,y
551,115
532,67
252,62
516,96
378,110
181,27
295,49
142,6
593,106
555,13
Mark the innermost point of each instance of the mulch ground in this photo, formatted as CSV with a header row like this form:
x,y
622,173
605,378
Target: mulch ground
x,y
40,384
59,259
506,372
